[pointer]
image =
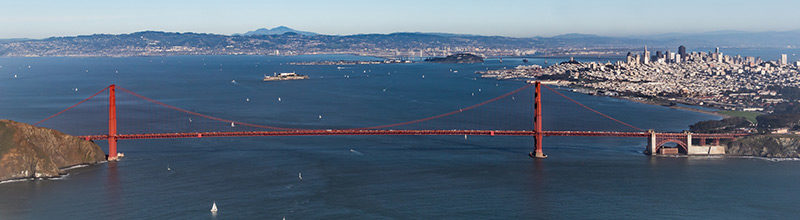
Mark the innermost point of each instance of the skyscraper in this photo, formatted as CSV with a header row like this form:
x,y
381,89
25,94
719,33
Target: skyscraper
x,y
682,51
783,60
646,56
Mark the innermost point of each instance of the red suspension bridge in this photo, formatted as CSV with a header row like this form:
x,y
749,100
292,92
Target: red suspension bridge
x,y
656,140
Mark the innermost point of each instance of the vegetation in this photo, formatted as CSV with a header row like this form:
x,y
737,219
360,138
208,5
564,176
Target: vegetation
x,y
785,115
774,121
720,126
750,116
790,93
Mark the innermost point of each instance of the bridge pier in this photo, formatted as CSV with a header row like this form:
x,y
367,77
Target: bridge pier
x,y
688,140
652,144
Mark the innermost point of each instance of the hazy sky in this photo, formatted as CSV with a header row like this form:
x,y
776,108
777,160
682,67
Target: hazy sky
x,y
38,19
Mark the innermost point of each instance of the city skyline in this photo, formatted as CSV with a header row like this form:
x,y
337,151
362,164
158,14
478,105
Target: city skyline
x,y
40,19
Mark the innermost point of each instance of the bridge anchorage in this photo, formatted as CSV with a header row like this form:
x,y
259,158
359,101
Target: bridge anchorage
x,y
656,144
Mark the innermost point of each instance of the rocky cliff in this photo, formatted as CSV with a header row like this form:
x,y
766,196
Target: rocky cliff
x,y
27,151
774,146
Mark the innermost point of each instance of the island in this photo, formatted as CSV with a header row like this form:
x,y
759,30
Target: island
x,y
457,58
284,76
351,62
30,152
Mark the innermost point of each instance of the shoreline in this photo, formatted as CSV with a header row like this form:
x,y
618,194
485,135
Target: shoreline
x,y
63,173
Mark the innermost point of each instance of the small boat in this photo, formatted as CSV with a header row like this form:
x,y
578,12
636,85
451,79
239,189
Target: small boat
x,y
524,60
214,208
279,99
320,116
233,125
247,100
300,176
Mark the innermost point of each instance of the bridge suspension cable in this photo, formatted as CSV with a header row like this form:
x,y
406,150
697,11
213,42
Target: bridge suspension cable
x,y
203,115
591,109
73,106
283,128
449,113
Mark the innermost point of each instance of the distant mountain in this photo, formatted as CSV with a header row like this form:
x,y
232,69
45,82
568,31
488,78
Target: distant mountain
x,y
157,43
774,39
278,31
287,41
13,40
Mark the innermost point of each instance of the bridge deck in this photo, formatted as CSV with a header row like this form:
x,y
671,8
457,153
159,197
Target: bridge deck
x,y
346,132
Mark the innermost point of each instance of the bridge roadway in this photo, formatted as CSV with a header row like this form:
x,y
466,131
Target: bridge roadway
x,y
346,132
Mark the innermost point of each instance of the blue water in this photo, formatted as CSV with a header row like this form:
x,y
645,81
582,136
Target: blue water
x,y
363,177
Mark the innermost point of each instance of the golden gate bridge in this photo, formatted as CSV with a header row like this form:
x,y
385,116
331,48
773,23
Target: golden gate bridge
x,y
656,140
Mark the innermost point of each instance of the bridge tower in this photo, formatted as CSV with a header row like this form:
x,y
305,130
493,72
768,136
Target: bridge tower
x,y
537,123
652,143
112,123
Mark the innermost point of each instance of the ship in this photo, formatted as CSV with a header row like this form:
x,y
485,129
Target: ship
x,y
284,76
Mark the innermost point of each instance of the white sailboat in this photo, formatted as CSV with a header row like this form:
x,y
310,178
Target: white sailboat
x,y
233,125
214,208
300,176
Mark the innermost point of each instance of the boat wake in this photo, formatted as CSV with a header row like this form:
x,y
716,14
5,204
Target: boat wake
x,y
766,158
74,167
35,179
356,152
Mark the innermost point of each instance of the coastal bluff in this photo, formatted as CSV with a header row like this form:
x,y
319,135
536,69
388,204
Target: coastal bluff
x,y
770,146
27,151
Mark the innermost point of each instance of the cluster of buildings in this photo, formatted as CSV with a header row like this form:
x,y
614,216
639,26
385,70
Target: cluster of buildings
x,y
698,78
712,57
